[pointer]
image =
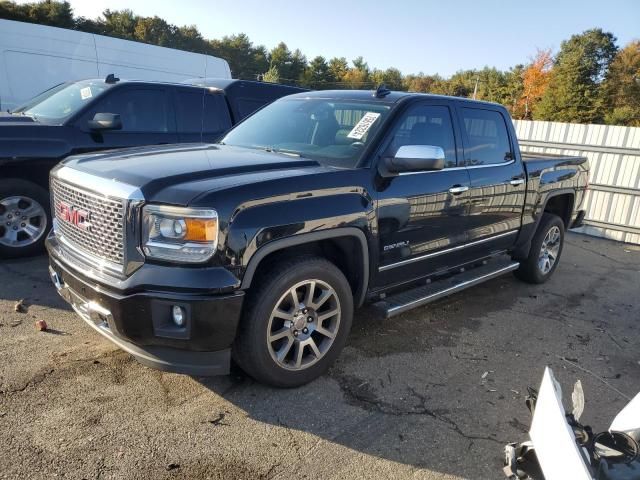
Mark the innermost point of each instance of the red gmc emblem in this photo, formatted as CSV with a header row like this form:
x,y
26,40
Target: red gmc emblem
x,y
74,216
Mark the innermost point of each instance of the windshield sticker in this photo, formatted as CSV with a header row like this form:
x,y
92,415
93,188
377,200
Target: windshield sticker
x,y
85,93
363,126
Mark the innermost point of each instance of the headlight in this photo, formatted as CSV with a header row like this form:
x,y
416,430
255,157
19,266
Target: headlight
x,y
188,235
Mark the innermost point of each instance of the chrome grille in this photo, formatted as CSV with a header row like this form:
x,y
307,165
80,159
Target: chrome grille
x,y
105,238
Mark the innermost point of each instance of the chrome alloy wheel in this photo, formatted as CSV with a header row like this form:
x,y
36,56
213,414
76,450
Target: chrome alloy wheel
x,y
549,250
22,221
303,324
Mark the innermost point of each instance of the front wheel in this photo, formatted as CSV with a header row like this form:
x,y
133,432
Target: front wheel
x,y
24,218
546,248
296,323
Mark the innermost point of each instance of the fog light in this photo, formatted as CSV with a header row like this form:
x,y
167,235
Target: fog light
x,y
178,315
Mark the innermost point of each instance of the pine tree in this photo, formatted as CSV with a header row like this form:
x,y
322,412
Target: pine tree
x,y
580,66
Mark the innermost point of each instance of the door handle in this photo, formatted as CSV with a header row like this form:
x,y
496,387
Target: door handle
x,y
517,181
458,189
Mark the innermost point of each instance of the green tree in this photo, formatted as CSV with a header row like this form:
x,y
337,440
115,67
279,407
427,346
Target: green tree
x,y
280,57
338,67
317,75
245,60
514,90
119,23
573,94
48,12
271,75
156,31
621,88
391,77
298,65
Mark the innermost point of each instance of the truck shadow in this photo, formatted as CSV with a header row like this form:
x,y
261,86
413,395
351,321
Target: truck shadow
x,y
27,279
401,391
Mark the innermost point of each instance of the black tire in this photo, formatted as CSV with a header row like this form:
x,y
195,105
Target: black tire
x,y
34,193
530,270
251,350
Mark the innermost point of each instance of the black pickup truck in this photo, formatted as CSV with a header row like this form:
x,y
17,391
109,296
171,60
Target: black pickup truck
x,y
260,247
90,115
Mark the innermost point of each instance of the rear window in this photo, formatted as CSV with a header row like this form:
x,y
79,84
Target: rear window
x,y
246,106
486,137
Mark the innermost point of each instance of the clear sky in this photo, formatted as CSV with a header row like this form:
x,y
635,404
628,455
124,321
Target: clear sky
x,y
415,36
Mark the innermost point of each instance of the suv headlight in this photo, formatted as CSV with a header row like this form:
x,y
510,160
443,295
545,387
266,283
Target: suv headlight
x,y
187,235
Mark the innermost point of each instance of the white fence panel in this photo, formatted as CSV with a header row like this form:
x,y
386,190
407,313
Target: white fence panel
x,y
613,200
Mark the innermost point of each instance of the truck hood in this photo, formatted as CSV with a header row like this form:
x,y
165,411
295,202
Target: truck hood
x,y
176,174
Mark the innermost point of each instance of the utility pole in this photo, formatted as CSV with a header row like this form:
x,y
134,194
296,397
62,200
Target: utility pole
x,y
475,89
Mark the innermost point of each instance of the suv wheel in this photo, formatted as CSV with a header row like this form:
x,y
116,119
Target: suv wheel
x,y
296,323
546,248
24,218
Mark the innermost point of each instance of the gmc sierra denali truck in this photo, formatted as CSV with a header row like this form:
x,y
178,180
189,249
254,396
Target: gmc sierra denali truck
x,y
260,247
91,115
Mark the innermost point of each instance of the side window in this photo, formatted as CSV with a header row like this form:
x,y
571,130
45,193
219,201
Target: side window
x,y
246,106
486,137
189,111
427,125
216,114
141,110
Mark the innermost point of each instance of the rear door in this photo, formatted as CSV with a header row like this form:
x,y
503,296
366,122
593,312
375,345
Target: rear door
x,y
422,215
146,113
497,177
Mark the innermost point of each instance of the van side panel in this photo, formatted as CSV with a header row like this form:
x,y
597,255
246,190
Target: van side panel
x,y
34,58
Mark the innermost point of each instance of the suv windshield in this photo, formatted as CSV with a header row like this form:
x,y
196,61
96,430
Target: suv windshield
x,y
60,102
334,132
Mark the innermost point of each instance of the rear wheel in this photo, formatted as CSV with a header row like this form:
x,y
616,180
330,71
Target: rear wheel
x,y
295,323
546,248
24,218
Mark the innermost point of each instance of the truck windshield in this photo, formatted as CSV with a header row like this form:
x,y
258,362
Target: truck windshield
x,y
59,103
334,132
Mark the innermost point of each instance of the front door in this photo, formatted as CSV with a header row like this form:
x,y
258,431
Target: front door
x,y
422,215
147,119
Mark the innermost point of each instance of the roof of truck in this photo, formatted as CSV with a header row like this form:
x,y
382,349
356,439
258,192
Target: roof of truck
x,y
228,83
390,97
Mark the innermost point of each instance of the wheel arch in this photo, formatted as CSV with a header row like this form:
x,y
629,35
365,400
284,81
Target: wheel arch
x,y
560,203
355,268
566,197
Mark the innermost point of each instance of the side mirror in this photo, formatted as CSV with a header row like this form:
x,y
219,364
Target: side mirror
x,y
413,158
105,121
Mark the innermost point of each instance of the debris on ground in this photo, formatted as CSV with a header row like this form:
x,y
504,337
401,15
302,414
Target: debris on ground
x,y
173,466
41,325
16,323
20,307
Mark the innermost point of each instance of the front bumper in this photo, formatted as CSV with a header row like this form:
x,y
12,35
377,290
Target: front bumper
x,y
136,315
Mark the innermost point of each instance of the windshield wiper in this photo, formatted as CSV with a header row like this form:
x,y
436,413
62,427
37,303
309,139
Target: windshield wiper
x,y
286,152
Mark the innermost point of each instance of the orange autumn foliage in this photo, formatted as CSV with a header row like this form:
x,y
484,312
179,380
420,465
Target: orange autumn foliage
x,y
535,80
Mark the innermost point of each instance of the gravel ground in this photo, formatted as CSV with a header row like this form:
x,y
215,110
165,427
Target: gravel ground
x,y
408,398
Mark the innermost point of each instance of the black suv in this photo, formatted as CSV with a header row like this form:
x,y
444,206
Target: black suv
x,y
90,115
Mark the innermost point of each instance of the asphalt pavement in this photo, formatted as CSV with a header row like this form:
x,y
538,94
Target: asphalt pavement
x,y
433,394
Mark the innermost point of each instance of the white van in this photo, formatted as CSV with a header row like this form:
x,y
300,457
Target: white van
x,y
34,58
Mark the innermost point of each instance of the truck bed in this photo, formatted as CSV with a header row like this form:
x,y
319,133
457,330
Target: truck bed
x,y
540,157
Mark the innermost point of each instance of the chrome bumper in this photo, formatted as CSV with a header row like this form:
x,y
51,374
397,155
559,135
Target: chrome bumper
x,y
92,313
